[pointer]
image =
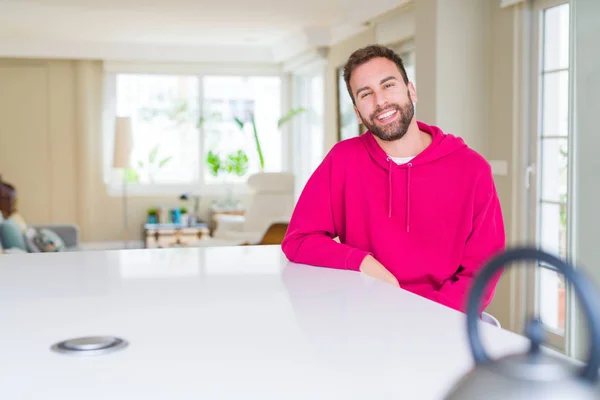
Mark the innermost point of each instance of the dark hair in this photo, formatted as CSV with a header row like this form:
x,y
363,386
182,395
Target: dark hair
x,y
368,53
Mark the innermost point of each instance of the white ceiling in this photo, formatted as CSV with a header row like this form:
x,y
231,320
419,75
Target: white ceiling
x,y
202,26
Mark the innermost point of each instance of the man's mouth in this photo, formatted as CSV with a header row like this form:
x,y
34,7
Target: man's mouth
x,y
386,116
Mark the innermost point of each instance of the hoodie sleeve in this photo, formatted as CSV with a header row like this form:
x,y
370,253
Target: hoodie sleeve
x,y
487,239
311,232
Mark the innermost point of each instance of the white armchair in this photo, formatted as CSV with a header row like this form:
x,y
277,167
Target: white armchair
x,y
272,202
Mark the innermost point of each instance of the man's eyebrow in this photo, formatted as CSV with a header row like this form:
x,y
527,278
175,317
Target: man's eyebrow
x,y
384,80
389,78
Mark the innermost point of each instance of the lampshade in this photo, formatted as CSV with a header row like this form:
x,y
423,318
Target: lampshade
x,y
123,143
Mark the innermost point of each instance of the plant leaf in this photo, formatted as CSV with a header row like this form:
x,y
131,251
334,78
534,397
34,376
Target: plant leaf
x,y
258,148
237,163
131,175
214,163
164,161
239,122
289,115
152,155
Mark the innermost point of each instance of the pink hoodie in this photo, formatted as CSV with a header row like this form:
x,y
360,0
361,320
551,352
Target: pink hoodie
x,y
431,222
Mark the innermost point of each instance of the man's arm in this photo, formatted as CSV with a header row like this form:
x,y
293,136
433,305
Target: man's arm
x,y
486,240
309,239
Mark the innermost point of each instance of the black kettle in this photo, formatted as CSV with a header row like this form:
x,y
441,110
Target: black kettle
x,y
535,374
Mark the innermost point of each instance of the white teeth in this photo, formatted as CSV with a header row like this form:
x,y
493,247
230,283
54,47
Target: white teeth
x,y
387,114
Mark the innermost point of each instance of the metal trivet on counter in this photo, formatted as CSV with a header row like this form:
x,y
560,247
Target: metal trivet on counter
x,y
90,345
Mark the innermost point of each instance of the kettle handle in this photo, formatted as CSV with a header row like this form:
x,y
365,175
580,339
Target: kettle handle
x,y
583,288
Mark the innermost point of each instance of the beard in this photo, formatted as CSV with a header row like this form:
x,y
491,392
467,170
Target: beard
x,y
395,130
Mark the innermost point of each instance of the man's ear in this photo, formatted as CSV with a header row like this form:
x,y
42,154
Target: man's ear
x,y
360,121
413,92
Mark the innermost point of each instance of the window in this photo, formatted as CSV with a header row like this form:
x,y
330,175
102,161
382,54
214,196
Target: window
x,y
410,66
228,99
164,114
348,125
550,152
193,132
408,56
308,133
407,53
553,152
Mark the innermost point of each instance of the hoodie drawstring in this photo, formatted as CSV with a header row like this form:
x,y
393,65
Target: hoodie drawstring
x,y
408,197
389,187
409,165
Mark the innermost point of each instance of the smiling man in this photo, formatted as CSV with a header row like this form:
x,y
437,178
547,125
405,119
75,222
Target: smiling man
x,y
410,204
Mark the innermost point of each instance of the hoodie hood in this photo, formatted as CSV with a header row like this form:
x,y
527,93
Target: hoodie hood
x,y
442,144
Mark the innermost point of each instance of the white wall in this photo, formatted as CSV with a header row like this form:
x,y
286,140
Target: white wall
x,y
454,66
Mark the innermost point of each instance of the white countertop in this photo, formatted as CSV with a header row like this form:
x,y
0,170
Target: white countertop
x,y
225,322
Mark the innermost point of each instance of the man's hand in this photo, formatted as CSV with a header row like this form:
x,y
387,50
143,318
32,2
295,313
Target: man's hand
x,y
370,266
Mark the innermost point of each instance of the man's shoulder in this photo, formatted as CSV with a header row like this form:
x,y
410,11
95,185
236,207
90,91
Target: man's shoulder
x,y
350,144
347,147
474,160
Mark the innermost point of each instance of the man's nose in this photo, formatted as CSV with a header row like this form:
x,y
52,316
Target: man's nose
x,y
380,100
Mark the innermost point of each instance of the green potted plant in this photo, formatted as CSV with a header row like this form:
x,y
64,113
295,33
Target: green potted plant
x,y
235,163
214,164
152,215
183,215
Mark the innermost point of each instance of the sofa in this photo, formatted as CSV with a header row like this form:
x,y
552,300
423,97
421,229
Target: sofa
x,y
18,237
267,216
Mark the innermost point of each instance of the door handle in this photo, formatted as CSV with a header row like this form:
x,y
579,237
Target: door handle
x,y
528,172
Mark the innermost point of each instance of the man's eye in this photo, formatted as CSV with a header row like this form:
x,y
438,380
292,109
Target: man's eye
x,y
387,85
364,95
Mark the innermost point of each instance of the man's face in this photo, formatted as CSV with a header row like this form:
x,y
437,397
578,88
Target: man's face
x,y
384,103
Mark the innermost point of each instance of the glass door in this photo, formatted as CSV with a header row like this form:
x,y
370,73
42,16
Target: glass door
x,y
548,179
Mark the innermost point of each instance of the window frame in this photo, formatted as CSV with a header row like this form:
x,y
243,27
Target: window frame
x,y
111,178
